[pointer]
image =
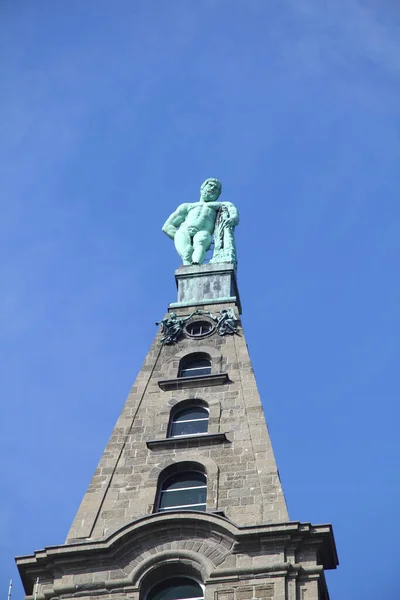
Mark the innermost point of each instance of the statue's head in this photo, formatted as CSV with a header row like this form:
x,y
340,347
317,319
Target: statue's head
x,y
210,190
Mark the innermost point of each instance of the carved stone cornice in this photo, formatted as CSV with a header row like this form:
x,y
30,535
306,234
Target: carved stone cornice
x,y
218,536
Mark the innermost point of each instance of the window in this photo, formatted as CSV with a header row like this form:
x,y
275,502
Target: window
x,y
195,364
191,420
183,491
199,328
176,588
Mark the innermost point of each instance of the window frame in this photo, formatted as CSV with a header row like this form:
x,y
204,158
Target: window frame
x,y
199,323
177,410
183,575
162,491
188,360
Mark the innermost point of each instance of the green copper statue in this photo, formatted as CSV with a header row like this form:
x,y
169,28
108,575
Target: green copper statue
x,y
192,226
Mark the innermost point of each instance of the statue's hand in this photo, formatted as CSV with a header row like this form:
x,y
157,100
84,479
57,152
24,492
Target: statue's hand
x,y
171,225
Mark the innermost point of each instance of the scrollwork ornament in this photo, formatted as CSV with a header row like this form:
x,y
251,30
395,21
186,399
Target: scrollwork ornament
x,y
172,326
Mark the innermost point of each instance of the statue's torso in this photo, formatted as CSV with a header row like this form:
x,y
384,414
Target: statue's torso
x,y
202,215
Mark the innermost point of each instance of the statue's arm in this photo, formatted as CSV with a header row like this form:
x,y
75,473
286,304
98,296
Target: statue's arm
x,y
233,213
171,225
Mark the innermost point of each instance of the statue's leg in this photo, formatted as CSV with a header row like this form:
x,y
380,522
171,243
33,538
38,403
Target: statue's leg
x,y
201,243
183,245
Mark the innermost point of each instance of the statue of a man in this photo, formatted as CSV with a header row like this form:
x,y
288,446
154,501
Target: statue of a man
x,y
192,225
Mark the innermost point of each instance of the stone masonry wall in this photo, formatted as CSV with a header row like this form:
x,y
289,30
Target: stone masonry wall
x,y
231,563
242,476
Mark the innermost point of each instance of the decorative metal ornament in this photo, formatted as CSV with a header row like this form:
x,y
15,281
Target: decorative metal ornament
x,y
172,326
227,322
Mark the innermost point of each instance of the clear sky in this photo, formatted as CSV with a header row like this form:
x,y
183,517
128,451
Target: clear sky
x,y
112,114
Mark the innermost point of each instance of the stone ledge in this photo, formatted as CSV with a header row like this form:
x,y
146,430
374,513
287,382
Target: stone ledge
x,y
225,300
186,441
180,383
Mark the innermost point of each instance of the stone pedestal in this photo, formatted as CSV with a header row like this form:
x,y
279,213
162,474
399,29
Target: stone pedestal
x,y
206,284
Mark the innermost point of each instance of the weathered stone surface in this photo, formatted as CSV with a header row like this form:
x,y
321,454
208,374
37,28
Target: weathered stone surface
x,y
240,563
235,409
202,284
243,547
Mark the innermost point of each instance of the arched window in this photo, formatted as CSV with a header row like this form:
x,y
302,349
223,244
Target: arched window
x,y
176,588
190,420
186,490
195,364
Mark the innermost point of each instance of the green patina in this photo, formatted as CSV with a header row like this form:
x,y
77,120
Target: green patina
x,y
193,225
172,326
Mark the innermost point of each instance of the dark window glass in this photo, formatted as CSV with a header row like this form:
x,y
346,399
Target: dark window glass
x,y
189,421
186,491
195,366
199,328
176,588
190,413
193,497
189,428
185,480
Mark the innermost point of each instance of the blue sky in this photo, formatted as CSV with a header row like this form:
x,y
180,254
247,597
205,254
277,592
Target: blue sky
x,y
112,114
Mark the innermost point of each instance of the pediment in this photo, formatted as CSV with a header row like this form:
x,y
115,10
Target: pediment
x,y
200,537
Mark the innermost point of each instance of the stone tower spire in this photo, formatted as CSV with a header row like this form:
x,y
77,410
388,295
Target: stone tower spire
x,y
235,450
186,502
